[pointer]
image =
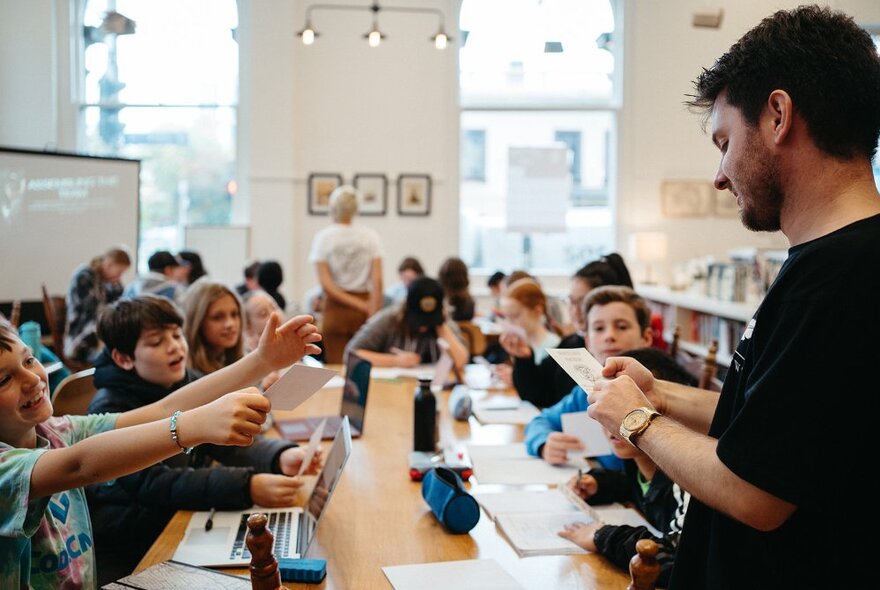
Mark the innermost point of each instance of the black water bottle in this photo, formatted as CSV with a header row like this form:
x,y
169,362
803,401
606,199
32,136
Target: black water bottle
x,y
425,431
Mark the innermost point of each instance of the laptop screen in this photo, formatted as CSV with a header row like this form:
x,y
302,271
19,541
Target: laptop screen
x,y
327,480
354,392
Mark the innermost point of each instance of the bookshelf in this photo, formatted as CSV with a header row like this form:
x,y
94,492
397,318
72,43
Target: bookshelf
x,y
701,319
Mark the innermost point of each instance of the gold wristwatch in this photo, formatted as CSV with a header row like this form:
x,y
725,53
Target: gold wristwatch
x,y
636,422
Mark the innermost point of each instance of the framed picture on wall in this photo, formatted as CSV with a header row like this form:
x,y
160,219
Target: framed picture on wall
x,y
373,193
414,194
321,184
687,198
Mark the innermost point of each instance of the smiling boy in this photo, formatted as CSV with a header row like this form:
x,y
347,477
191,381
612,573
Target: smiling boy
x,y
145,360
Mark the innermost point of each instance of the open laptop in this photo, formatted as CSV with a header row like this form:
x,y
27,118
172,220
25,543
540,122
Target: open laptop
x,y
354,405
294,528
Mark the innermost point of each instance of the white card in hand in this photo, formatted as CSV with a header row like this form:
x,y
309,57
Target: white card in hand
x,y
579,364
508,327
297,385
590,432
314,441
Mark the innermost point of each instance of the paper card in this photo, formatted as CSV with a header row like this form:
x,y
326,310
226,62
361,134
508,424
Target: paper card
x,y
472,574
314,441
579,364
297,385
590,432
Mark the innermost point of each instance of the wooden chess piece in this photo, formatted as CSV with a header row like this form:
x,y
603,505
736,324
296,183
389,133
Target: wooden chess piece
x,y
644,567
264,567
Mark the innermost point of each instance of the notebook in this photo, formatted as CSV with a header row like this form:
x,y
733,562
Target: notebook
x,y
294,528
354,405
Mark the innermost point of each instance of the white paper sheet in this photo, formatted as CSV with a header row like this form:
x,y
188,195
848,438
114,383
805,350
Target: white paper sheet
x,y
471,574
336,381
579,364
590,432
510,464
297,385
314,441
521,413
401,372
538,534
524,502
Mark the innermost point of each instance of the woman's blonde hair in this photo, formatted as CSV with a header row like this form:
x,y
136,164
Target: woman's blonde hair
x,y
343,203
199,298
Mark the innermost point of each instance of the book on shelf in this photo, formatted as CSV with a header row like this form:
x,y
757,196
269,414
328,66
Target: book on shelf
x,y
175,575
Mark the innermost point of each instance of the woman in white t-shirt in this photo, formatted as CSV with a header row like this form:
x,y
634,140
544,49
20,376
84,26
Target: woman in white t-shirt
x,y
348,259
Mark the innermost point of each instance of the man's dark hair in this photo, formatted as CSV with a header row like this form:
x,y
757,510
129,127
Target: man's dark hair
x,y
270,275
822,59
495,279
121,323
250,271
161,260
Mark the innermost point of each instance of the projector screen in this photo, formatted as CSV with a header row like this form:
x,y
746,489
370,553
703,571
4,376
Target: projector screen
x,y
58,211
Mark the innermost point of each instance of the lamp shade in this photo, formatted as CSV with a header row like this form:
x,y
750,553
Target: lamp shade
x,y
648,246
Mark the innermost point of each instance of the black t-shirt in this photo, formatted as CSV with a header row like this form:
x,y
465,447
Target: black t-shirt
x,y
796,418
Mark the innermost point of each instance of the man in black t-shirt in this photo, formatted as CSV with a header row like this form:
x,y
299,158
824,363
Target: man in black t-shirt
x,y
777,463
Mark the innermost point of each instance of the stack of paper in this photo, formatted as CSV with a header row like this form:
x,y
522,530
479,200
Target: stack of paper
x,y
510,464
524,501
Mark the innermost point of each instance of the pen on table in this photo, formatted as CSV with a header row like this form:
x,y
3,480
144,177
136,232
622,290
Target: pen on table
x,y
209,524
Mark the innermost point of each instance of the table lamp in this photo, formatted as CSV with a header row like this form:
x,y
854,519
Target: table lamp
x,y
648,247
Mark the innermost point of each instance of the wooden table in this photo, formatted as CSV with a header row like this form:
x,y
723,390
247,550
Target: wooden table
x,y
377,516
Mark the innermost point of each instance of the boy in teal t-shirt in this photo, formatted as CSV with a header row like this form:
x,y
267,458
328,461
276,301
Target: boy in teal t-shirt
x,y
45,533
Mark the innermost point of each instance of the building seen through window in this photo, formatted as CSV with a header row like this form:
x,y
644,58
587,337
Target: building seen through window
x,y
159,82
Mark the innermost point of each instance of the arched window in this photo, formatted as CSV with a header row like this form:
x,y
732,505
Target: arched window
x,y
159,82
538,77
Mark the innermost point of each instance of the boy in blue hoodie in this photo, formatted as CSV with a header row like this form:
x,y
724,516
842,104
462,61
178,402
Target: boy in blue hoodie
x,y
617,319
144,360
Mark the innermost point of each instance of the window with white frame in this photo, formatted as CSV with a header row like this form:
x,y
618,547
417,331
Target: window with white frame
x,y
159,82
544,75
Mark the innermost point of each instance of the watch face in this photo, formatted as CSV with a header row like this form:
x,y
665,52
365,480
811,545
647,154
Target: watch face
x,y
634,420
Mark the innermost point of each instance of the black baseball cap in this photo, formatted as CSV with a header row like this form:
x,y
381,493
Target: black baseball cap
x,y
424,303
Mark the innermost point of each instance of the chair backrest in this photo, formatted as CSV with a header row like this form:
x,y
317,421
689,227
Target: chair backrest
x,y
710,369
15,313
474,337
74,394
55,320
673,346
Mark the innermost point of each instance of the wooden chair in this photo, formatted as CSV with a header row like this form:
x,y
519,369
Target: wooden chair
x,y
673,346
709,368
474,337
55,310
74,394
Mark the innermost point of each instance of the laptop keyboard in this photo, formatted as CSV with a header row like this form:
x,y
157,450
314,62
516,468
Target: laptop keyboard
x,y
282,525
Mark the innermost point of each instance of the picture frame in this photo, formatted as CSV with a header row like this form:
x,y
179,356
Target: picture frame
x,y
372,193
414,194
687,198
321,185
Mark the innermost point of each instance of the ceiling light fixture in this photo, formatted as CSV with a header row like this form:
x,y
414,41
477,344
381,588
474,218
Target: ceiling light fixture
x,y
308,34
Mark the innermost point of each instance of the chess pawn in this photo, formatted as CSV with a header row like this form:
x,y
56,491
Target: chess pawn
x,y
643,567
264,567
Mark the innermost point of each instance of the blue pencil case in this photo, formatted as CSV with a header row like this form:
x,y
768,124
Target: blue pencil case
x,y
443,490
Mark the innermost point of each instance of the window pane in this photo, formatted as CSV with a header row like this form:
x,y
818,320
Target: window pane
x,y
485,242
178,52
188,159
517,59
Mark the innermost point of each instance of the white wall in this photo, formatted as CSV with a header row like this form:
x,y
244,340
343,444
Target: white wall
x,y
339,106
659,138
